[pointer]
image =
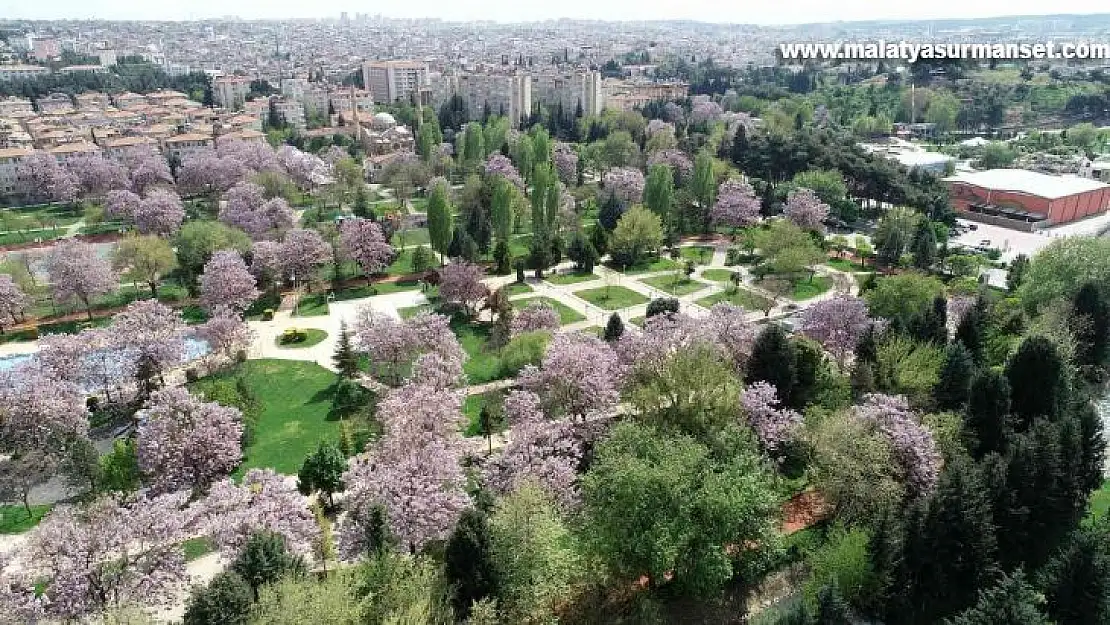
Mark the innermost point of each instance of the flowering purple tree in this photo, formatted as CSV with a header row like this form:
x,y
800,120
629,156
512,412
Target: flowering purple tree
x,y
40,409
393,345
414,472
806,210
303,252
732,333
549,452
911,442
725,330
95,359
264,500
566,163
625,183
437,370
225,332
226,281
579,375
155,335
674,113
706,112
257,156
333,154
206,173
773,425
677,160
122,205
304,169
837,324
266,262
362,241
460,284
96,175
13,302
183,442
108,554
147,168
160,212
535,316
737,206
248,209
41,178
78,274
499,165
656,126
958,307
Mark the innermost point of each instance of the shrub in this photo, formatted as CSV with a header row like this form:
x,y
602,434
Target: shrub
x,y
191,375
293,335
662,305
268,314
526,349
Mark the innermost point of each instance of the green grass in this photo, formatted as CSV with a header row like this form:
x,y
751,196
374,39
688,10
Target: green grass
x,y
378,288
700,254
571,278
196,547
807,289
843,264
517,288
650,265
15,238
313,336
419,204
408,312
482,364
717,275
1100,502
402,265
738,297
15,520
612,297
637,321
472,407
410,236
566,314
295,398
597,331
519,245
675,284
315,305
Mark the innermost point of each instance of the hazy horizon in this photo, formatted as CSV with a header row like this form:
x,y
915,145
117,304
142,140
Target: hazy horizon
x,y
788,12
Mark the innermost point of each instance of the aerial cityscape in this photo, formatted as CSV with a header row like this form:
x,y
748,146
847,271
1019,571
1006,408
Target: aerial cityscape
x,y
366,319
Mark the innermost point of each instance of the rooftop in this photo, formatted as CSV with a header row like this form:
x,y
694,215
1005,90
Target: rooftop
x,y
1028,182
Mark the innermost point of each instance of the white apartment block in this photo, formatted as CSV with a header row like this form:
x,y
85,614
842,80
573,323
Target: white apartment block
x,y
390,81
10,158
291,112
506,95
17,72
66,151
186,145
569,89
15,106
231,92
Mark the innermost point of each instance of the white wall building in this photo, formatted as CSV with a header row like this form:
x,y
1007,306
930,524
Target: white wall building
x,y
390,81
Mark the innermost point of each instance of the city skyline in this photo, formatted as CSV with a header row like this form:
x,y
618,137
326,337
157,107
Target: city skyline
x,y
782,13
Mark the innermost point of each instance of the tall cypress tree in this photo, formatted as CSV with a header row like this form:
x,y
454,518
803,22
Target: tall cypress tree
x,y
970,329
988,407
1076,581
1090,324
468,564
440,226
773,361
924,246
1012,601
1036,376
345,359
951,391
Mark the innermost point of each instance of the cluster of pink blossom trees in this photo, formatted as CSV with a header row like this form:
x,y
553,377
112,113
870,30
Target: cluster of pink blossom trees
x,y
737,205
566,162
247,208
392,346
160,212
460,284
837,324
226,282
625,183
677,160
579,375
43,179
364,242
806,210
913,444
499,165
535,316
772,424
13,302
78,274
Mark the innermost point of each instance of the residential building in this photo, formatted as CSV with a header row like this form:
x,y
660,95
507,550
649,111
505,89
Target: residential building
x,y
185,145
107,57
509,95
66,151
231,92
626,95
55,103
118,147
45,48
291,112
10,158
20,72
570,89
15,106
1024,199
390,81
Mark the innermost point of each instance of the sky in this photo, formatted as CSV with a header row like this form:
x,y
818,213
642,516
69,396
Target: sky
x,y
735,11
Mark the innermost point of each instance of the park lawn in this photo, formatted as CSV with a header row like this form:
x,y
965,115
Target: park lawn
x,y
612,297
196,547
737,297
649,265
402,265
1100,502
408,312
700,254
843,264
472,407
808,289
717,275
597,331
517,288
637,321
571,278
482,364
519,245
314,305
410,236
566,314
15,520
15,238
379,288
675,284
419,204
313,336
295,398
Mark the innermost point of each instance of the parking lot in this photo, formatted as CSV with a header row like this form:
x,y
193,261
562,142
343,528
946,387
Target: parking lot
x,y
1014,242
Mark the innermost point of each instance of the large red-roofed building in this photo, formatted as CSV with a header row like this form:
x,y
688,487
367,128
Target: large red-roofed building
x,y
1025,199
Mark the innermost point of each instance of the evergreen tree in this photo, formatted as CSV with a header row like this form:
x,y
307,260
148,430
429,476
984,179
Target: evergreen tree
x,y
704,187
809,360
773,361
1016,274
501,256
954,383
361,206
479,228
1090,321
988,406
501,209
659,191
440,226
265,559
468,564
661,305
610,213
1012,601
582,252
599,238
867,349
539,253
970,330
1036,376
1076,581
614,329
226,600
924,245
345,359
740,146
832,609
323,471
932,324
